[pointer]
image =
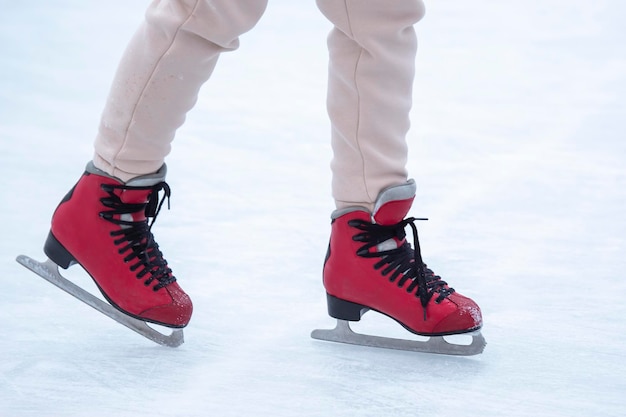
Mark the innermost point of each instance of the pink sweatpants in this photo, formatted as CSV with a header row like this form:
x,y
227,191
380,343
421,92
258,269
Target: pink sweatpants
x,y
371,67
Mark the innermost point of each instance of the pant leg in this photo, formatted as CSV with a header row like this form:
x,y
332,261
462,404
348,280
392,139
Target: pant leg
x,y
372,51
171,55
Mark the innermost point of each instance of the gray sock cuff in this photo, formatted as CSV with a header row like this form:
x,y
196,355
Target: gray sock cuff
x,y
140,181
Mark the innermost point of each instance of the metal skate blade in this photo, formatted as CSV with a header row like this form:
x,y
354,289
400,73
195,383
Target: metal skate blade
x,y
50,272
342,333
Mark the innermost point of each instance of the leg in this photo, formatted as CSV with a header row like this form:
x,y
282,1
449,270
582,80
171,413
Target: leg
x,y
370,264
372,58
105,222
171,55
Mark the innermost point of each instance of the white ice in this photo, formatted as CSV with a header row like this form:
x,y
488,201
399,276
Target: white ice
x,y
518,147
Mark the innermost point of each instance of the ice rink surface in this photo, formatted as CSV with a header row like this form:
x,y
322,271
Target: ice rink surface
x,y
518,148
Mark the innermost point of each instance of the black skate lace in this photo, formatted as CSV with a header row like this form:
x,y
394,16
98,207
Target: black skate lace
x,y
137,235
403,261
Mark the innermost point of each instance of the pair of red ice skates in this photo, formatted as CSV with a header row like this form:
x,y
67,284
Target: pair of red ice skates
x,y
105,225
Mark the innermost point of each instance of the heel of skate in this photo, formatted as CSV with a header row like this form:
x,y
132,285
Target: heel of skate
x,y
57,252
344,310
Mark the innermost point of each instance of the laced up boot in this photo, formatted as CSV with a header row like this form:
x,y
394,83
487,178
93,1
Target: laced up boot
x,y
103,225
370,265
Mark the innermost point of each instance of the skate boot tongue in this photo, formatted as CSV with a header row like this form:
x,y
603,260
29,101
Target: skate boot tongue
x,y
144,190
391,207
135,205
393,204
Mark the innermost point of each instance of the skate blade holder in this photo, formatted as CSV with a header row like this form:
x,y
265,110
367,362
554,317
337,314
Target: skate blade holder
x,y
342,333
50,272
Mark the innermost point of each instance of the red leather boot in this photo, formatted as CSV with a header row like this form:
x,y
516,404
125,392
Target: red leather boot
x,y
370,265
102,224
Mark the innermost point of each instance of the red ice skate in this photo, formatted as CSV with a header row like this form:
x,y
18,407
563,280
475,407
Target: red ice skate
x,y
371,266
102,224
